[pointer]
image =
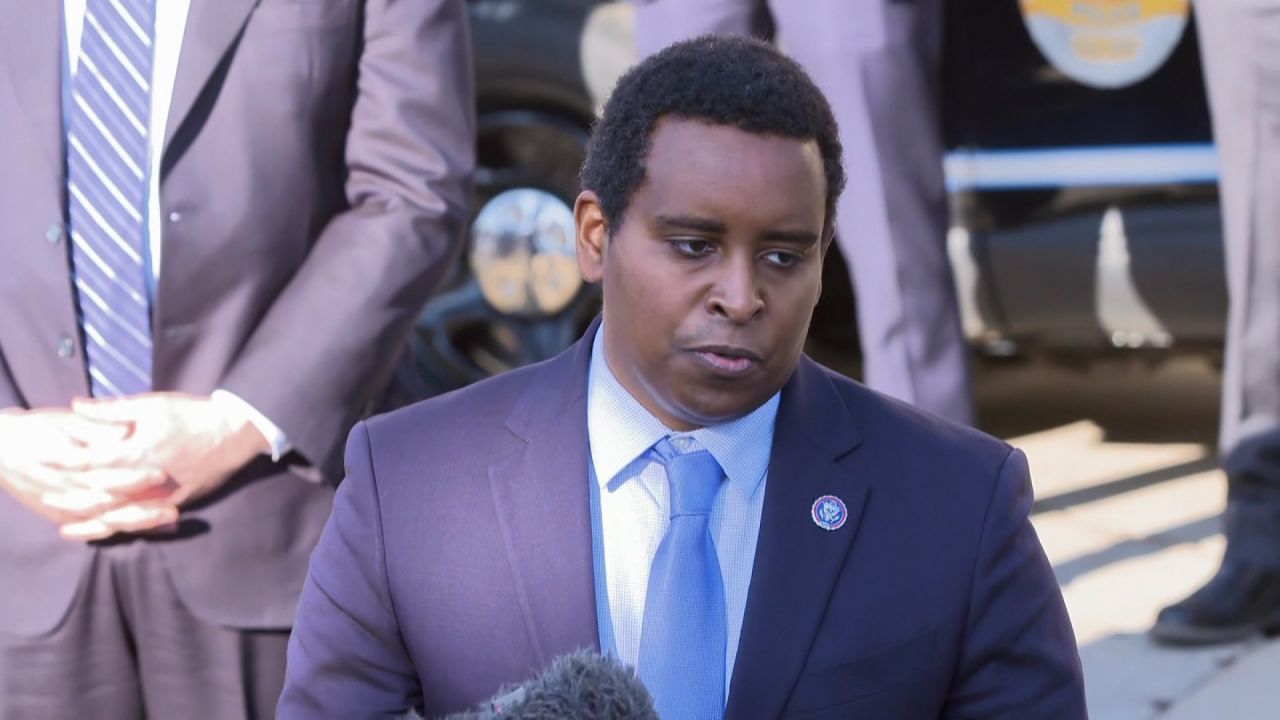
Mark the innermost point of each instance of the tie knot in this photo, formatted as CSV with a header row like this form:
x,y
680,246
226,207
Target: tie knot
x,y
694,478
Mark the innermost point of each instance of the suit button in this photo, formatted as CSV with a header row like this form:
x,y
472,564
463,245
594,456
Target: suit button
x,y
175,217
53,234
66,347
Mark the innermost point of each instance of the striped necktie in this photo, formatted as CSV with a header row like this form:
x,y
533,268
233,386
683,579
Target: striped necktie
x,y
107,157
683,633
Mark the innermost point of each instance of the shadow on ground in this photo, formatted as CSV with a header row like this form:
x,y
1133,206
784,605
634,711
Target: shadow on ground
x,y
1132,402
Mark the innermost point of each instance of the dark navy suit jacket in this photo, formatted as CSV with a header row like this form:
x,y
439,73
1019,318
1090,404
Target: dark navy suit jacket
x,y
458,558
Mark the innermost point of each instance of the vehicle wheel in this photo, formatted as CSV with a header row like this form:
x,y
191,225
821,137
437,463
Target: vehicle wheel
x,y
515,296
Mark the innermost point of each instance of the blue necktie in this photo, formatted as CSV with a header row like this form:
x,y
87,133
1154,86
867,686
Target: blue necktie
x,y
107,141
682,637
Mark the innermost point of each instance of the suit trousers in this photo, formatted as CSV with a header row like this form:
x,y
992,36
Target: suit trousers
x,y
878,64
1240,46
129,649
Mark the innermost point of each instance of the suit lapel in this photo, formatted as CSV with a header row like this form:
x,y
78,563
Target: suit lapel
x,y
796,562
31,40
213,26
543,507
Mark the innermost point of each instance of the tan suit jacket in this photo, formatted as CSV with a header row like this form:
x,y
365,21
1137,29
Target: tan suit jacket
x,y
314,188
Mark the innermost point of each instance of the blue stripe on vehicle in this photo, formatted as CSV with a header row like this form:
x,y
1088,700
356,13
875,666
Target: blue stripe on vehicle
x,y
1081,167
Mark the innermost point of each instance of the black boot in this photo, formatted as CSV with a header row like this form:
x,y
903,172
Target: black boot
x,y
1241,601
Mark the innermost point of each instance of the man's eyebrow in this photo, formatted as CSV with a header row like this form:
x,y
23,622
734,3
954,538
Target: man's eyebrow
x,y
699,224
791,237
690,222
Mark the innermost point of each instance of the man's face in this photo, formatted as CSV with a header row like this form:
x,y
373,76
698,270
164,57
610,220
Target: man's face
x,y
711,279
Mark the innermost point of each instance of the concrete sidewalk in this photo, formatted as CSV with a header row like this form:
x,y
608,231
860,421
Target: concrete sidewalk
x,y
1129,519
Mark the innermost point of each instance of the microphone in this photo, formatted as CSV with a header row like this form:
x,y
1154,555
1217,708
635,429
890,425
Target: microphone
x,y
581,685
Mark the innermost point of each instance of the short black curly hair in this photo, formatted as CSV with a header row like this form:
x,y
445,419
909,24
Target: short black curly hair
x,y
722,80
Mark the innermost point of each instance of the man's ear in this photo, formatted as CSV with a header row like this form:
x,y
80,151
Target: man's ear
x,y
828,234
592,235
824,248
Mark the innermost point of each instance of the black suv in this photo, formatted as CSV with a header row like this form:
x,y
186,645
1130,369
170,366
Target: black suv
x,y
1082,176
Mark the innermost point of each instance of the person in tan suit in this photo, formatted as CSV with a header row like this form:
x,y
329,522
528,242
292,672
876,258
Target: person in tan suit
x,y
1239,40
218,220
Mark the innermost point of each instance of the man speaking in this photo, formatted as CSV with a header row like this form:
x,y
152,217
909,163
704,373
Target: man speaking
x,y
683,489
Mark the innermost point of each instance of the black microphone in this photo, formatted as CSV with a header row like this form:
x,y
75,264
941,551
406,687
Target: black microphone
x,y
581,685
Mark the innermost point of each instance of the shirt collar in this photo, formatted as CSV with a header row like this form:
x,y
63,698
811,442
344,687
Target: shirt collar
x,y
620,430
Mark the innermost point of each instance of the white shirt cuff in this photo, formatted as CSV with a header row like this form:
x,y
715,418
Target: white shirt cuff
x,y
239,407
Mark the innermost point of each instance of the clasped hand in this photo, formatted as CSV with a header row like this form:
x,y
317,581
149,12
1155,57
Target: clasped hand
x,y
121,465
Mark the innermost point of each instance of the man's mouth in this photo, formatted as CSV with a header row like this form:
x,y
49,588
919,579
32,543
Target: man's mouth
x,y
727,359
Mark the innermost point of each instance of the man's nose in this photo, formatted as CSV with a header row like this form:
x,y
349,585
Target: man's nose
x,y
736,295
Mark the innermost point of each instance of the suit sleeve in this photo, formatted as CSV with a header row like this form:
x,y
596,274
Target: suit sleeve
x,y
330,340
9,397
662,22
346,657
1019,656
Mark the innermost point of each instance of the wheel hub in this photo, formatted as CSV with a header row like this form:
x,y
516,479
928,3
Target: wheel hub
x,y
522,253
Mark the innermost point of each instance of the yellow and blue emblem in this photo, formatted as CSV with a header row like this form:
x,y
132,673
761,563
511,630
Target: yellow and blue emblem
x,y
829,512
1106,43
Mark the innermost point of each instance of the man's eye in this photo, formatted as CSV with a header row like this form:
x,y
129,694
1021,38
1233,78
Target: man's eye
x,y
782,259
692,248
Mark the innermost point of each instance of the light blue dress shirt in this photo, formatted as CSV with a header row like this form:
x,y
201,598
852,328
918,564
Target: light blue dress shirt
x,y
630,504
